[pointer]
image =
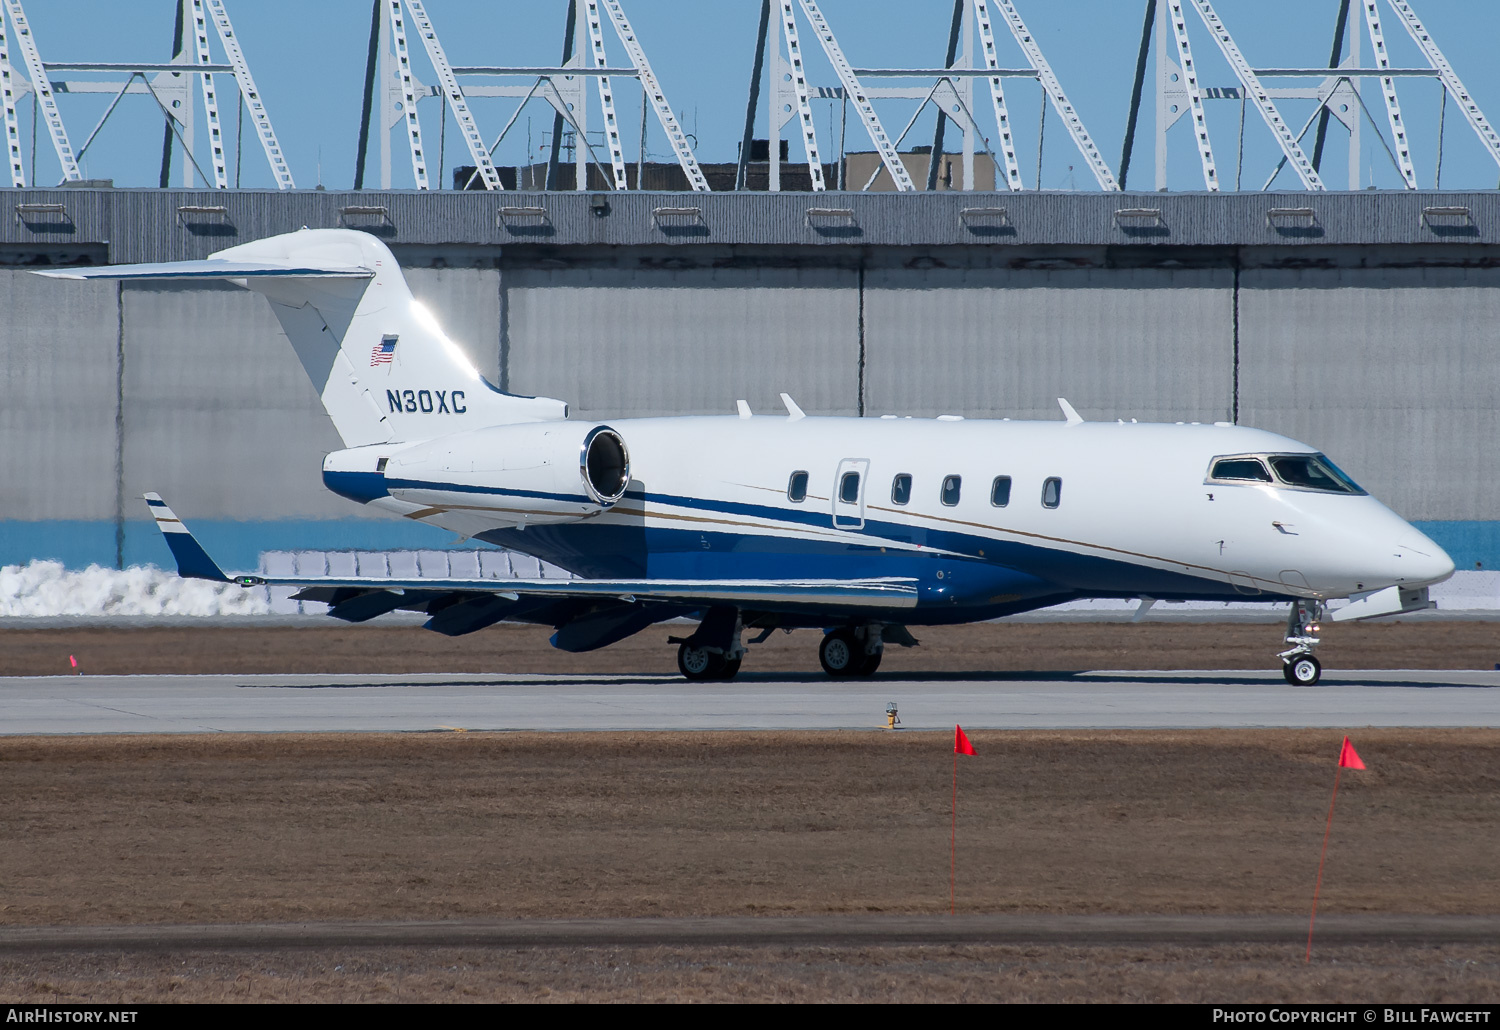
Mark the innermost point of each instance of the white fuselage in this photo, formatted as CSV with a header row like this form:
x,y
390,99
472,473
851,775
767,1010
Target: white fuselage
x,y
1135,514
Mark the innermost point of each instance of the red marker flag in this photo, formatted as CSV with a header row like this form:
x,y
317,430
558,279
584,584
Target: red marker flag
x,y
1348,759
961,745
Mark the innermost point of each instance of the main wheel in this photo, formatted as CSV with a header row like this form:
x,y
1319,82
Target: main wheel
x,y
699,663
841,654
1302,671
871,663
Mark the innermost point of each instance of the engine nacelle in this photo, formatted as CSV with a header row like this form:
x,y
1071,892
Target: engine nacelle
x,y
531,473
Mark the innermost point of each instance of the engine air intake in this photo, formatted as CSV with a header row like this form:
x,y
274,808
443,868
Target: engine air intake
x,y
605,465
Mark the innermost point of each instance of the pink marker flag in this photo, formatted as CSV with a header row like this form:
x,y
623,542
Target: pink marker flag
x,y
961,746
73,661
1348,759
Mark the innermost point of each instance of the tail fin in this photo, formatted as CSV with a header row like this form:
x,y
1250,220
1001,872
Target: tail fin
x,y
379,359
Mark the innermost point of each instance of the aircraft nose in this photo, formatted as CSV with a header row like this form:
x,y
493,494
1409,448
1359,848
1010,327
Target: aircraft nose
x,y
1420,561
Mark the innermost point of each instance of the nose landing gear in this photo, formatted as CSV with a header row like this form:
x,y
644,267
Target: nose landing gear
x,y
1298,664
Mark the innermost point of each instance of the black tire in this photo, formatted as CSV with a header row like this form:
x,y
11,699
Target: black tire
x,y
871,663
1303,671
731,669
697,663
840,654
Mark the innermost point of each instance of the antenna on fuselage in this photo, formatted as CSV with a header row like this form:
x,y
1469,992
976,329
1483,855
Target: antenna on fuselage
x,y
1069,412
793,413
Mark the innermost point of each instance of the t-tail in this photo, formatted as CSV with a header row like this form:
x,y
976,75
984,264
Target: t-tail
x,y
383,366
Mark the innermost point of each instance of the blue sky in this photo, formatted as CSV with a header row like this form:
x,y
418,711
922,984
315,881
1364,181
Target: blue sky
x,y
308,59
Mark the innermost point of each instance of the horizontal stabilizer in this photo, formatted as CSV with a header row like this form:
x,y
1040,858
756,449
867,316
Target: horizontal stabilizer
x,y
211,270
193,561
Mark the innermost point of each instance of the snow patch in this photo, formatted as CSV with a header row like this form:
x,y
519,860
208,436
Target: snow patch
x,y
48,589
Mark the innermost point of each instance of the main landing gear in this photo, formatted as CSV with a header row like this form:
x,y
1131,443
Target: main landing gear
x,y
1298,664
715,650
703,663
854,651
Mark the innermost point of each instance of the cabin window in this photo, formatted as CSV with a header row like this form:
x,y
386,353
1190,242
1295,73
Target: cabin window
x,y
1313,472
849,488
901,489
951,487
796,487
1052,492
1000,491
1249,470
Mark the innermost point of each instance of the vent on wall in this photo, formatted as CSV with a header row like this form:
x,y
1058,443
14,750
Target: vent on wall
x,y
1449,221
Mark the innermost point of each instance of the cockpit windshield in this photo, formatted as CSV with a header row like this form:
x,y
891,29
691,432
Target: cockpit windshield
x,y
1298,471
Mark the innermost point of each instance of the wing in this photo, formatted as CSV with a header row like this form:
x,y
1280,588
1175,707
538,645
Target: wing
x,y
482,602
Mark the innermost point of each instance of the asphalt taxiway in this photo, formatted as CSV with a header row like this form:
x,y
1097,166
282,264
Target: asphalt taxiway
x,y
1087,700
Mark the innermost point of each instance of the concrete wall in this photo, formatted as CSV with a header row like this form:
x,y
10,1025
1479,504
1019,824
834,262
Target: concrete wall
x,y
1394,372
1153,344
1383,358
638,341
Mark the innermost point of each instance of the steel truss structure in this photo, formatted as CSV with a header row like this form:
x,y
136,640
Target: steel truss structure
x,y
393,96
951,92
783,88
169,84
1339,89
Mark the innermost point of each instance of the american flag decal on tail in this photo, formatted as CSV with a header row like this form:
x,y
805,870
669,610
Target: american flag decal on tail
x,y
383,351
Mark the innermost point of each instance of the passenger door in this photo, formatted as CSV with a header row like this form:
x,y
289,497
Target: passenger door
x,y
849,493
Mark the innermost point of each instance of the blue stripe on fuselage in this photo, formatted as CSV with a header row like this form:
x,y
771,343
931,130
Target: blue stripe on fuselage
x,y
958,570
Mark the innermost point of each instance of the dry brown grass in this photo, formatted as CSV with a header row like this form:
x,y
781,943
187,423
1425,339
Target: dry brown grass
x,y
1221,975
284,828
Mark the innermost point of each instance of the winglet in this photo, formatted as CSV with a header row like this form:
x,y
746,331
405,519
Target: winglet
x,y
793,413
1069,412
193,561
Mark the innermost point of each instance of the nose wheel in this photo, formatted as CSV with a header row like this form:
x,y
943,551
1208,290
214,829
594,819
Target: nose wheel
x,y
1298,665
1302,671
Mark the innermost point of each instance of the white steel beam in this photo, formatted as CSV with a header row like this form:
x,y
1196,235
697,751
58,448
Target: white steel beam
x,y
799,84
997,95
675,135
408,93
257,108
607,99
1429,47
43,89
210,99
1060,102
456,99
856,93
1195,96
1388,91
8,99
1257,93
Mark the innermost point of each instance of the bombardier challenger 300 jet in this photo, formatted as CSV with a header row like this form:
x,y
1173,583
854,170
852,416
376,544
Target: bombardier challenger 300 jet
x,y
860,527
